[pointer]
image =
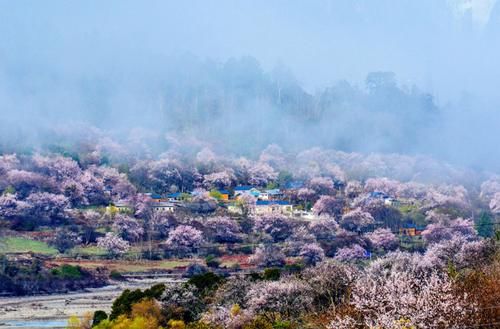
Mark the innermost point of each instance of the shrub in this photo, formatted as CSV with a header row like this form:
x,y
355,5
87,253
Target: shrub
x,y
272,274
68,272
98,317
259,323
294,268
176,324
115,275
212,261
195,269
247,250
205,282
123,304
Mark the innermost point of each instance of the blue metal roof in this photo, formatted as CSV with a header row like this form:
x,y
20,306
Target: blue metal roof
x,y
174,195
418,228
223,191
276,202
243,188
378,194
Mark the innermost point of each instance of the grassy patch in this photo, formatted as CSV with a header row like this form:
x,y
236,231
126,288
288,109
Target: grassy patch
x,y
21,245
86,251
148,266
127,266
68,272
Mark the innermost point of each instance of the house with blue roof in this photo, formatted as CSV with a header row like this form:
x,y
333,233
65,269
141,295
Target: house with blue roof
x,y
263,207
379,195
246,189
241,188
172,197
163,207
271,194
155,196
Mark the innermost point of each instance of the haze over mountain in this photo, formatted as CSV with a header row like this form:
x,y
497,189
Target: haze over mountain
x,y
245,74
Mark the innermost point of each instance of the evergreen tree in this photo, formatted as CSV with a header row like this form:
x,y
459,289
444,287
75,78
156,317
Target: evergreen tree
x,y
484,225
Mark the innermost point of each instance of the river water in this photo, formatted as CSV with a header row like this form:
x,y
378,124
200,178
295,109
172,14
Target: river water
x,y
34,324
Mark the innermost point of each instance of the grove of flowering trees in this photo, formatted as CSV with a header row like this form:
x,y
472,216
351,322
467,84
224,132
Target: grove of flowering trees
x,y
321,185
219,180
495,203
128,227
113,244
277,226
289,297
445,230
338,264
329,205
224,230
183,240
312,253
351,253
383,238
261,174
268,256
356,220
399,292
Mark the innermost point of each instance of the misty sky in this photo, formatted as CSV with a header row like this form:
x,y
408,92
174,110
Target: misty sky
x,y
52,50
447,47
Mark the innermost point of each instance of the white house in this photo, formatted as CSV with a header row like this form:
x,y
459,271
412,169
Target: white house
x,y
263,207
162,206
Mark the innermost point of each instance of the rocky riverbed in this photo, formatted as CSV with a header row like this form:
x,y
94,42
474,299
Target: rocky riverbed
x,y
52,311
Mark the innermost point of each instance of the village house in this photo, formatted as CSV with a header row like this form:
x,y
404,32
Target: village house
x,y
174,197
246,189
303,214
391,202
411,230
263,207
123,206
155,197
264,196
224,195
242,189
272,194
162,207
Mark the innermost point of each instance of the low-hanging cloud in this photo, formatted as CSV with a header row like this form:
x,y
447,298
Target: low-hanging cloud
x,y
210,72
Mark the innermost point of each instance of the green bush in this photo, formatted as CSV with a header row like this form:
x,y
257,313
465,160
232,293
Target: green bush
x,y
206,282
123,304
115,275
272,274
68,272
200,325
282,325
259,323
98,317
246,250
294,268
212,261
